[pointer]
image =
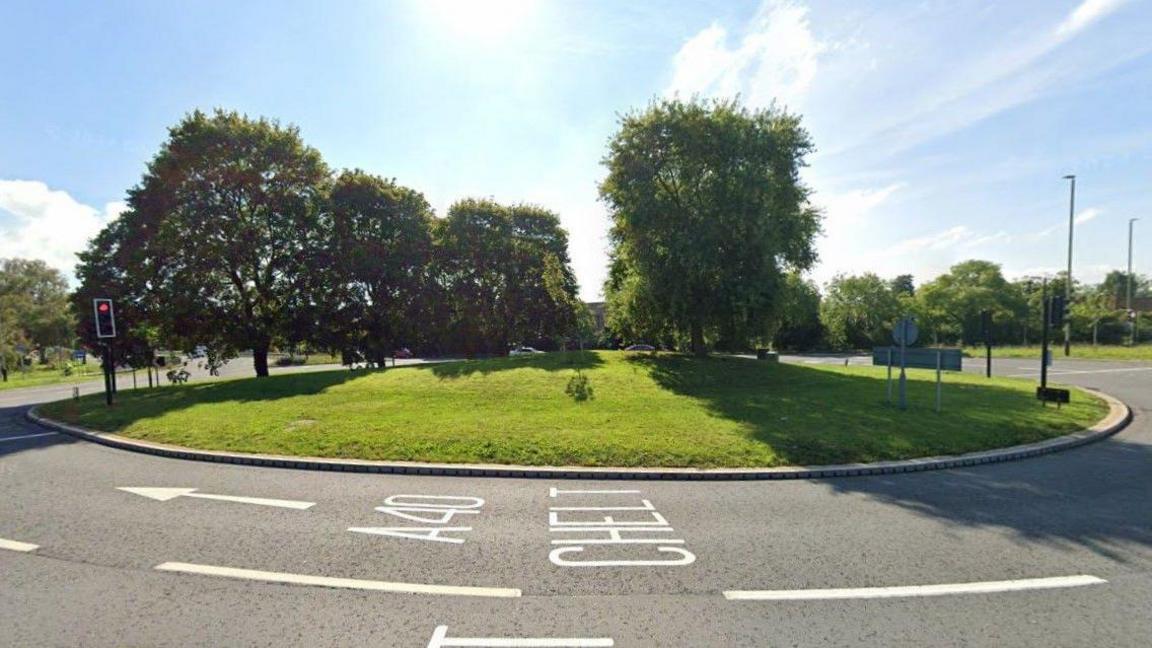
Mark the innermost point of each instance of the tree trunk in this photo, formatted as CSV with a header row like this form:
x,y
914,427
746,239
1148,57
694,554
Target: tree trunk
x,y
260,360
698,340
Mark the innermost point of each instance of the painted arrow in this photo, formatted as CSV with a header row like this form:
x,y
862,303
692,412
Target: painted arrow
x,y
165,494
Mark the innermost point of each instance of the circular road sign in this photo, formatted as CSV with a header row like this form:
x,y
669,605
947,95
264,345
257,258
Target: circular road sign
x,y
905,331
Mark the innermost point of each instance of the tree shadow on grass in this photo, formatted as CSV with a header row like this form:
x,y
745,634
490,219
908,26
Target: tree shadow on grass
x,y
137,404
818,415
555,361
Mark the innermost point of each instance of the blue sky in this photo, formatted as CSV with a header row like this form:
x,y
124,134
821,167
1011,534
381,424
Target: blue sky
x,y
943,127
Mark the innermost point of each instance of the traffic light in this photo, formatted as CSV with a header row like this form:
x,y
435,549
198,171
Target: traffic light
x,y
105,318
1056,310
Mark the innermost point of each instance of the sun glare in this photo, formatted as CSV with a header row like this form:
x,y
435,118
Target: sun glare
x,y
481,19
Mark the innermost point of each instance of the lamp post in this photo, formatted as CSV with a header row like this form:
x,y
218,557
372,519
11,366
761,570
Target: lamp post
x,y
1068,278
1131,324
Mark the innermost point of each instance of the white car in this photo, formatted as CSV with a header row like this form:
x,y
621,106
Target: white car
x,y
523,350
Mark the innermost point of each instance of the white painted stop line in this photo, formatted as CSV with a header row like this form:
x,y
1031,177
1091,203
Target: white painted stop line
x,y
339,583
440,639
988,587
12,545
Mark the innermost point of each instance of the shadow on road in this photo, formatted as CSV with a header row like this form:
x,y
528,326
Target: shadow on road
x,y
13,424
1097,496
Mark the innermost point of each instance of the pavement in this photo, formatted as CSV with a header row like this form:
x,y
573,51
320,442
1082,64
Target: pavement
x,y
1051,551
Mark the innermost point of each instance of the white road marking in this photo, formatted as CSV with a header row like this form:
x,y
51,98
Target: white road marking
x,y
28,436
165,494
12,545
553,492
1068,372
340,583
440,639
415,533
914,590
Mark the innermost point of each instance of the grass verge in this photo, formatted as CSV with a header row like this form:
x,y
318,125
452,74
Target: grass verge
x,y
596,409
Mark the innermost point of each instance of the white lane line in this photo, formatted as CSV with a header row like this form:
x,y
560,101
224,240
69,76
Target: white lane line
x,y
440,639
1069,372
914,590
12,545
341,583
28,436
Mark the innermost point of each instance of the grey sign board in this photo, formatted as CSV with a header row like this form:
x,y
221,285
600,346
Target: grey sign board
x,y
920,358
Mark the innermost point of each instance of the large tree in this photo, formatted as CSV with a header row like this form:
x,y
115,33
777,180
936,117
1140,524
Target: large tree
x,y
374,290
954,300
506,276
858,311
34,309
225,223
708,215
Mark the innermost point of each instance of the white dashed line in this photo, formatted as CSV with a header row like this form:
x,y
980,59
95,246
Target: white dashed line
x,y
440,639
914,590
12,545
339,583
27,436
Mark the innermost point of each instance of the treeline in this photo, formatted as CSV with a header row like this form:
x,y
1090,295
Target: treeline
x,y
857,312
240,237
34,312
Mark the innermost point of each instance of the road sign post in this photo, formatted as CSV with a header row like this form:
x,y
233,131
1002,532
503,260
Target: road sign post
x,y
889,397
939,361
905,332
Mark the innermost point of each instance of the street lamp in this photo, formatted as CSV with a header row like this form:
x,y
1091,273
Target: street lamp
x,y
1131,324
1068,278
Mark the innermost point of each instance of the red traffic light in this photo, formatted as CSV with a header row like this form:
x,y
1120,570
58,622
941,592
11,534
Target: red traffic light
x,y
103,307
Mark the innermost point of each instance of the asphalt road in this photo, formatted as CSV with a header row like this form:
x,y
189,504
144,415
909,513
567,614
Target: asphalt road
x,y
92,579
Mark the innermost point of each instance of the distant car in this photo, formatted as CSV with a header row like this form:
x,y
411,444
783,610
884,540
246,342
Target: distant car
x,y
640,347
523,350
402,354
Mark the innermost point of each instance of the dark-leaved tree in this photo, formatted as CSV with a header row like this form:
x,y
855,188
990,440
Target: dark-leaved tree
x,y
223,227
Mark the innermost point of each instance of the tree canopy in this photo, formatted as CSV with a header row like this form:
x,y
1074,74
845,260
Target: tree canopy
x,y
708,215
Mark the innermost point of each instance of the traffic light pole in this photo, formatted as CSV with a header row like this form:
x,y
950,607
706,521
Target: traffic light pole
x,y
1044,337
107,373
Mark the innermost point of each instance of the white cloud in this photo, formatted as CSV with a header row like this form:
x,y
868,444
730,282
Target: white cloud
x,y
776,59
1087,13
1086,215
938,241
1083,216
49,225
989,239
852,207
995,82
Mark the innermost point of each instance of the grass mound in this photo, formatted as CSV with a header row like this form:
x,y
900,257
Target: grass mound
x,y
595,409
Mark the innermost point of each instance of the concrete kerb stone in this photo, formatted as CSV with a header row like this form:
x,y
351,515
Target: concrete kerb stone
x,y
1119,415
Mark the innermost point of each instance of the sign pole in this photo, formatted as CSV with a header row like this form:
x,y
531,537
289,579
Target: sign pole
x,y
903,377
889,399
987,344
939,355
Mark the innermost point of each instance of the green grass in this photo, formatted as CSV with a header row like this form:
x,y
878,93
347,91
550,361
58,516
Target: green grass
x,y
669,410
1142,352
